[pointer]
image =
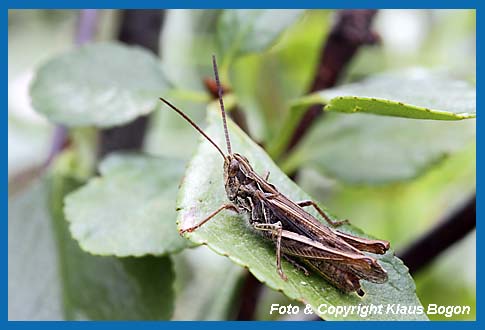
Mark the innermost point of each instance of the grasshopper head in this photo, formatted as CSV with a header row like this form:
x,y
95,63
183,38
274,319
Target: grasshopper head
x,y
236,173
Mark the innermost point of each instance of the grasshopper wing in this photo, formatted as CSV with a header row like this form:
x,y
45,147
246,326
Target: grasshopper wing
x,y
362,266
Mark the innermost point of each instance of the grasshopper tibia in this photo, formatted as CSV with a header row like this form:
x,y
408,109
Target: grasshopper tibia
x,y
210,216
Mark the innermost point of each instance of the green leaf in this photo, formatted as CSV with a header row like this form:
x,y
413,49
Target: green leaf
x,y
363,149
227,234
251,30
414,93
104,85
51,278
107,288
130,209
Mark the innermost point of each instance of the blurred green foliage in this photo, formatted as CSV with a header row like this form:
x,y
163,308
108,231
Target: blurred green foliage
x,y
268,60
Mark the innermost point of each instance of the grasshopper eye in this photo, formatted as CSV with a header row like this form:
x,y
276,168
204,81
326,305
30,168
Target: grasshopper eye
x,y
233,167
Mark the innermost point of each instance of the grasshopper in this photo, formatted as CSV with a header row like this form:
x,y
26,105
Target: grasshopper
x,y
335,255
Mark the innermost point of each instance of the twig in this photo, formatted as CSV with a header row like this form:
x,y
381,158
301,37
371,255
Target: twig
x,y
445,234
351,31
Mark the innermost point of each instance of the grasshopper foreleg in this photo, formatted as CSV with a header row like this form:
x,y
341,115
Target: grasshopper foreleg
x,y
210,216
276,229
322,213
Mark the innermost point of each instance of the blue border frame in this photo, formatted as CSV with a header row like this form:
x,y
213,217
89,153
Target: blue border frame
x,y
142,4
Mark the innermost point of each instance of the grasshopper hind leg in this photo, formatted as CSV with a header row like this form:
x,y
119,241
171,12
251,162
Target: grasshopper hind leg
x,y
322,213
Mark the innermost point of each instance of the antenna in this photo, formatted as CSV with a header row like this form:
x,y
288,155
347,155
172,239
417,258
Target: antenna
x,y
193,124
219,92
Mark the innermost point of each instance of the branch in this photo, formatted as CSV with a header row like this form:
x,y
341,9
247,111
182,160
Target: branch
x,y
351,31
445,234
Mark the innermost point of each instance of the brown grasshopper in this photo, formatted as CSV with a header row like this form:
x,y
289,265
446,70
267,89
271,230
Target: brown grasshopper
x,y
331,253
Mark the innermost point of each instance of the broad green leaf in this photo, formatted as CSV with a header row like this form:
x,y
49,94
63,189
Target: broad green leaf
x,y
364,149
227,234
130,209
104,84
251,30
207,285
51,278
106,288
415,93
